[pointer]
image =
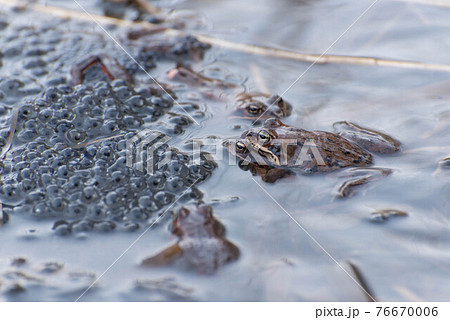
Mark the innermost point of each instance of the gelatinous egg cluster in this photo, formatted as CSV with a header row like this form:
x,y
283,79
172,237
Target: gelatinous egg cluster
x,y
68,161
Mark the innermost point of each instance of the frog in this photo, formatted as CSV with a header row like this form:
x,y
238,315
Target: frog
x,y
276,150
262,106
201,241
249,105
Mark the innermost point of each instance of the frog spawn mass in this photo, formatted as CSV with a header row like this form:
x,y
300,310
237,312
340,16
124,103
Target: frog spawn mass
x,y
65,166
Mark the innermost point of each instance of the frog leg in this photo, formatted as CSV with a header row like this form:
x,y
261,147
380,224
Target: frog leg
x,y
358,177
369,139
110,67
166,256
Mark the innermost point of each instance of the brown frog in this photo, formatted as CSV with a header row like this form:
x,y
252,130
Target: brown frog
x,y
276,150
202,243
251,107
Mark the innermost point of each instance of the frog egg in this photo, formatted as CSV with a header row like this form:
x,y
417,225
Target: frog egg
x,y
40,210
110,126
113,199
33,63
132,122
111,113
54,139
65,89
36,163
82,226
160,102
67,101
27,135
138,184
30,125
19,166
135,102
11,86
121,145
124,193
123,92
119,165
67,153
56,81
52,94
96,212
86,163
75,182
131,226
90,101
62,229
156,181
136,214
91,151
63,127
174,184
80,89
105,153
163,197
31,155
5,168
27,185
103,90
93,124
176,167
26,173
24,209
89,194
76,211
47,154
63,171
118,177
10,194
36,196
99,170
105,226
117,83
75,136
148,204
46,179
57,204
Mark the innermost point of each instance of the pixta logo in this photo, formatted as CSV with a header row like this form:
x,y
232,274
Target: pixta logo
x,y
141,152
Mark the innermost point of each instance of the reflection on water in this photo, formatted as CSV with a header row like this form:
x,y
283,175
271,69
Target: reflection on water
x,y
401,258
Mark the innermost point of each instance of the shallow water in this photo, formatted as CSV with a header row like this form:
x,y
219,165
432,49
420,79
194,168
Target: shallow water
x,y
402,258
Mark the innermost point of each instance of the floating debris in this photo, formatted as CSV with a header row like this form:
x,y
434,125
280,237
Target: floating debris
x,y
22,276
360,177
362,282
383,215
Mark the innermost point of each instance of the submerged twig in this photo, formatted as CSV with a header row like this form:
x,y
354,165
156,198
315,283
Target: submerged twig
x,y
362,282
12,130
258,78
235,46
85,144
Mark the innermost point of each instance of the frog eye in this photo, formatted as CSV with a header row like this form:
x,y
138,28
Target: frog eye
x,y
263,137
240,146
254,109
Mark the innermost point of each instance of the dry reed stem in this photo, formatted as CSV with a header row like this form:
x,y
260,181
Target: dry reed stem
x,y
235,46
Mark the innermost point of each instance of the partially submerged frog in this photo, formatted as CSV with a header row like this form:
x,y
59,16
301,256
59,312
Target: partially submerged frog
x,y
249,105
276,150
202,243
